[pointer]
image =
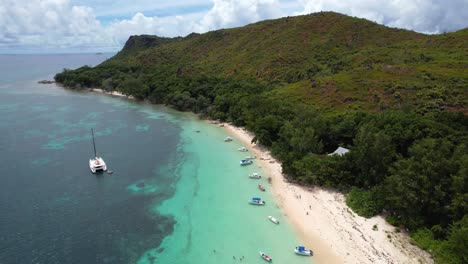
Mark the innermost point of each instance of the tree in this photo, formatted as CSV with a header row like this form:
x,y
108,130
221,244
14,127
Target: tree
x,y
419,186
372,155
458,239
266,130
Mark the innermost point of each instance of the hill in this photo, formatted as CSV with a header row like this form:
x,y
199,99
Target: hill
x,y
305,85
327,59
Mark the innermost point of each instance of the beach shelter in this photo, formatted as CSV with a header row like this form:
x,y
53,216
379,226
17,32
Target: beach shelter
x,y
339,151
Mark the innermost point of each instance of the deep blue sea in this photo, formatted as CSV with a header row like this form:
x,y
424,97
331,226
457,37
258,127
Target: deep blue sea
x,y
177,195
52,209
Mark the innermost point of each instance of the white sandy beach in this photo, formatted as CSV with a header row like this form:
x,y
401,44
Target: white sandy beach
x,y
327,225
113,93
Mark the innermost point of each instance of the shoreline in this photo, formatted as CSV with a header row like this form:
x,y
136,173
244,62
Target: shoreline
x,y
113,93
321,218
326,224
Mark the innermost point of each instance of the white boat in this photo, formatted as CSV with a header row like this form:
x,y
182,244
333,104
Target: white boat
x,y
257,201
228,139
274,220
243,149
301,250
246,162
265,256
250,158
96,164
255,176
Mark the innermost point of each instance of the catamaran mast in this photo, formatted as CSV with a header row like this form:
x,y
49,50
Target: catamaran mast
x,y
94,144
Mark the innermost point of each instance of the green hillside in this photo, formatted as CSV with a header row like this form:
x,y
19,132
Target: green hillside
x,y
308,84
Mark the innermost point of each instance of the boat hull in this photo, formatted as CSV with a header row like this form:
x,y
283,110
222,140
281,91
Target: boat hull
x,y
265,257
257,203
255,176
274,220
246,162
306,252
97,164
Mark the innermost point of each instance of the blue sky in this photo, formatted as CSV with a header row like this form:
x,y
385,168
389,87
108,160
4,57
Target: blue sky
x,y
105,25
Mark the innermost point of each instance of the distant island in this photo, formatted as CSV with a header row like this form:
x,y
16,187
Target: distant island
x,y
46,82
306,85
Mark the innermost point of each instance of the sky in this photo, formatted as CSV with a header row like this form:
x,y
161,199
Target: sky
x,y
35,26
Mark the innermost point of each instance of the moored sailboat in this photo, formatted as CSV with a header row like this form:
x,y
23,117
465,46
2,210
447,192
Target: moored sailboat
x,y
96,164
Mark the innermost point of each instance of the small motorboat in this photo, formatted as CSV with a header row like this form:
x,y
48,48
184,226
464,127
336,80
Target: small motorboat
x,y
254,176
274,220
228,139
256,201
265,257
243,149
250,157
245,162
301,250
261,188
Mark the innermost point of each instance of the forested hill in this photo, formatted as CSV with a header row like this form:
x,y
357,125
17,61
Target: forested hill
x,y
308,84
329,59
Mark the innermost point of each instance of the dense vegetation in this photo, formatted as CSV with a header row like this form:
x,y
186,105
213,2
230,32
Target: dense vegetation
x,y
308,84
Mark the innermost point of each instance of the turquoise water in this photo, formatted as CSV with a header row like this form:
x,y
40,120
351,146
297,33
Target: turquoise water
x,y
215,223
176,195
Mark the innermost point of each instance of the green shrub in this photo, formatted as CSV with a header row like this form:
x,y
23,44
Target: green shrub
x,y
362,202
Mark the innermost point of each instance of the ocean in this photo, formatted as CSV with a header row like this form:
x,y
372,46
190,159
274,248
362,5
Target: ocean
x,y
177,194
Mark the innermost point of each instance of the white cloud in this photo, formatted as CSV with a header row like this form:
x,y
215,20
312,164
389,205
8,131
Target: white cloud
x,y
50,23
141,24
62,24
233,13
429,16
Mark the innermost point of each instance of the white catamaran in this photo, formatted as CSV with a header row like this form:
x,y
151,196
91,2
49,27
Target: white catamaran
x,y
96,164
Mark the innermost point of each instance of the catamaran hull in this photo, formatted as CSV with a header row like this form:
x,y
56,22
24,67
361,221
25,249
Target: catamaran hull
x,y
99,166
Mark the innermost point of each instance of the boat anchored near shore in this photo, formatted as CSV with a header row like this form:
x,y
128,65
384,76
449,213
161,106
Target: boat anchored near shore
x,y
274,220
255,176
96,164
301,250
256,201
245,162
265,257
